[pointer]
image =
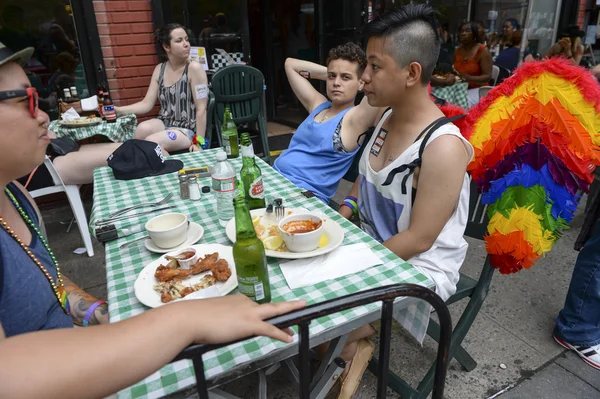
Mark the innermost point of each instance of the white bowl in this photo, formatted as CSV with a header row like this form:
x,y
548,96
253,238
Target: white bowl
x,y
186,263
168,230
301,242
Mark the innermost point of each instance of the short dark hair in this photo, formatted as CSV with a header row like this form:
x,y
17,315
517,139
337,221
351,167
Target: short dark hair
x,y
413,30
474,30
350,52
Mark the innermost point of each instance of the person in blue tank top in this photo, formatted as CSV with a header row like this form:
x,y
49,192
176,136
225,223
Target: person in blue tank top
x,y
38,304
321,150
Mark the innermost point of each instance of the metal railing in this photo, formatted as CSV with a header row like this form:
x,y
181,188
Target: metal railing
x,y
303,317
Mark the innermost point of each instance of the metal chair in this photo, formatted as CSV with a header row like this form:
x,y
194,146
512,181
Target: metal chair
x,y
483,91
476,290
74,198
495,73
241,88
303,317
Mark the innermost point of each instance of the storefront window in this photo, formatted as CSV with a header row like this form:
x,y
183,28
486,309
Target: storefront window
x,y
214,25
48,27
542,19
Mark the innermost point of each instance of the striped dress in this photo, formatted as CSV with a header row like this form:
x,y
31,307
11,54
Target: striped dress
x,y
177,107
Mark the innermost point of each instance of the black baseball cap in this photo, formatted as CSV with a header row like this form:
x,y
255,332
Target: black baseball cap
x,y
136,159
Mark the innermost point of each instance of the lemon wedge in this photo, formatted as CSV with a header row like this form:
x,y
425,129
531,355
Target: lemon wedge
x,y
256,220
272,243
323,241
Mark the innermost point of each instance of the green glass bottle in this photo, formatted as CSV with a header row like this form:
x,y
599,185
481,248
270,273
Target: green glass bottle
x,y
251,176
229,135
249,256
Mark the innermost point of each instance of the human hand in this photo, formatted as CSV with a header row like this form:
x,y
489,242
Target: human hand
x,y
450,79
345,212
232,317
464,77
193,148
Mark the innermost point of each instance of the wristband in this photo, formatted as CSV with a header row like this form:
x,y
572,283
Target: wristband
x,y
353,198
352,205
90,311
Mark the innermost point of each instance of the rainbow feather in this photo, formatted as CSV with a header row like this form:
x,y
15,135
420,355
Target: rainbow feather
x,y
537,141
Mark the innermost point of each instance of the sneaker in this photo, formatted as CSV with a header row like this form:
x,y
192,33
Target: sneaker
x,y
589,354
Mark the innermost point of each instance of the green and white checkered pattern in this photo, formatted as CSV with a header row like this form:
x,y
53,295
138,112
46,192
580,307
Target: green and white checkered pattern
x,y
455,94
123,266
118,132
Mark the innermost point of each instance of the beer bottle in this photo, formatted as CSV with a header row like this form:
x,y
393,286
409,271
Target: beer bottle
x,y
100,101
249,256
229,135
108,108
251,176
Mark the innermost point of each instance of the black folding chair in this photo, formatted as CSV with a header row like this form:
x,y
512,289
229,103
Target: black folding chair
x,y
303,317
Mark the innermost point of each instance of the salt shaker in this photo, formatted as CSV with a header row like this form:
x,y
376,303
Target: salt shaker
x,y
194,188
184,191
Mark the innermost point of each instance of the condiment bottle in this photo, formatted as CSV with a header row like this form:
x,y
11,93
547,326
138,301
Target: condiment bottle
x,y
194,188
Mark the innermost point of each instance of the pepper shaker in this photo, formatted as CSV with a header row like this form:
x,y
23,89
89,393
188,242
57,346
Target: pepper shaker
x,y
194,188
184,191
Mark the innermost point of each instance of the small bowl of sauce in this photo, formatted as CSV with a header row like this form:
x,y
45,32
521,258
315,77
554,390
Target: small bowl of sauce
x,y
301,232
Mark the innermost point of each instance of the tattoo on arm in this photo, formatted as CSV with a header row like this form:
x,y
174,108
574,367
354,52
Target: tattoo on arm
x,y
81,301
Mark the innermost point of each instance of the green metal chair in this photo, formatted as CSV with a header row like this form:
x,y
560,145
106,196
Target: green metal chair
x,y
210,120
241,88
467,287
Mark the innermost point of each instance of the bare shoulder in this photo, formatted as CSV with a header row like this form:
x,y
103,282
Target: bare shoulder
x,y
196,69
448,149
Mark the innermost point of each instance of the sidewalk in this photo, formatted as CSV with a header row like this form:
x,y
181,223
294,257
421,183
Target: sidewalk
x,y
565,377
512,330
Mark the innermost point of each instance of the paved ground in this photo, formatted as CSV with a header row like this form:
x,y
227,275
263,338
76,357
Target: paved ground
x,y
512,330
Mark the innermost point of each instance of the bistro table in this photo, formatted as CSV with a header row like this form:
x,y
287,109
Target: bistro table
x,y
233,361
455,94
118,132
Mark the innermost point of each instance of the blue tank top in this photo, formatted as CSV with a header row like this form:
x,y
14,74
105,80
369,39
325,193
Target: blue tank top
x,y
27,301
310,162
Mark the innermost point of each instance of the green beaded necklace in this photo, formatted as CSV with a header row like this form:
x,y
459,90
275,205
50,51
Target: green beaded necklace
x,y
59,289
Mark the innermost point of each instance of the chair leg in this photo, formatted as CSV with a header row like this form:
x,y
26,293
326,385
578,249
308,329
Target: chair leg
x,y
72,192
460,353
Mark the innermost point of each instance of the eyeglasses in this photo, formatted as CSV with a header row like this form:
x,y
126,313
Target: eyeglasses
x,y
30,92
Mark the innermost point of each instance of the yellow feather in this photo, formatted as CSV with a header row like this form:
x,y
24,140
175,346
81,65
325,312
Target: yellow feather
x,y
527,221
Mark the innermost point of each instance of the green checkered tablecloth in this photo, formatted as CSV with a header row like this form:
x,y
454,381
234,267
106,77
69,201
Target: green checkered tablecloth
x,y
118,132
455,94
123,266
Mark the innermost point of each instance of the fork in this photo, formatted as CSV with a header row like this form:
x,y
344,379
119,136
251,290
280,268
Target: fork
x,y
279,209
131,208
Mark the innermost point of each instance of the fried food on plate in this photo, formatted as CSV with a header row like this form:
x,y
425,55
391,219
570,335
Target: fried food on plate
x,y
164,274
220,270
205,263
174,289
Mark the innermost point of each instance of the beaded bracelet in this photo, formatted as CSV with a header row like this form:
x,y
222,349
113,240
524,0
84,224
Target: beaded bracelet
x,y
90,311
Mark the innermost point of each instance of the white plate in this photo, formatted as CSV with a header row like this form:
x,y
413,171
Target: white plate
x,y
81,122
332,230
195,233
144,285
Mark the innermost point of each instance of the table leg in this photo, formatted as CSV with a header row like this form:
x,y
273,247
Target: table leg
x,y
334,350
262,385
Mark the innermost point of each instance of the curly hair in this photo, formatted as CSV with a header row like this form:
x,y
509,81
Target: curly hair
x,y
350,52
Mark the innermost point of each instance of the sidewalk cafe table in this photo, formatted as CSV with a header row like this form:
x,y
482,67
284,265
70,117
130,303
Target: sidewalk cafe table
x,y
455,94
118,132
233,361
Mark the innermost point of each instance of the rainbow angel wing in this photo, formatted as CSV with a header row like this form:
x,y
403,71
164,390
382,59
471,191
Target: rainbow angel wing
x,y
537,141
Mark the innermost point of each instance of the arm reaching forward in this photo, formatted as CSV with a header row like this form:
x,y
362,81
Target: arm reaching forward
x,y
111,357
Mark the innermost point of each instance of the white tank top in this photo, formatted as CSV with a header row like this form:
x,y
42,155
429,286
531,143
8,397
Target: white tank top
x,y
385,211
